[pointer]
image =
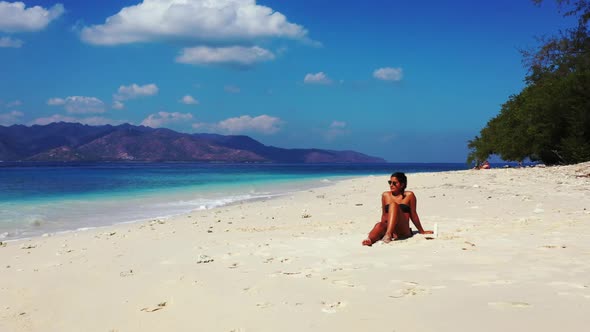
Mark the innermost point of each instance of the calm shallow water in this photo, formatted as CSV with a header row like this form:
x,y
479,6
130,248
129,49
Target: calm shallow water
x,y
38,198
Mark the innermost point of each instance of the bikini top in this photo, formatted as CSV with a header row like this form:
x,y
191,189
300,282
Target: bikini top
x,y
404,207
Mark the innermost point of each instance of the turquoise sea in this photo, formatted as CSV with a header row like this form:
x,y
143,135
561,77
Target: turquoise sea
x,y
39,198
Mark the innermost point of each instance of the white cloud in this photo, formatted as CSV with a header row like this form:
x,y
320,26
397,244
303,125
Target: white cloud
x,y
134,91
10,118
232,89
388,74
318,78
337,124
117,105
92,121
233,55
189,100
199,20
56,101
79,104
263,124
14,103
15,17
10,42
162,118
335,130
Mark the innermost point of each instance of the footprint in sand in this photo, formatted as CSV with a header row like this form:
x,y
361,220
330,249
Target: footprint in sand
x,y
251,290
493,283
411,289
204,259
568,284
343,283
158,307
287,273
331,308
509,304
576,288
551,246
264,305
126,273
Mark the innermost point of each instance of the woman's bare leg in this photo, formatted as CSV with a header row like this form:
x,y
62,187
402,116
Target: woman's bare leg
x,y
398,225
402,228
394,215
375,234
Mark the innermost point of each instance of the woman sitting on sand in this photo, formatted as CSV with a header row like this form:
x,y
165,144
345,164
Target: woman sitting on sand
x,y
398,206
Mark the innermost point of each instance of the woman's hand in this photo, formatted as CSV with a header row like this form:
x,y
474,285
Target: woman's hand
x,y
426,232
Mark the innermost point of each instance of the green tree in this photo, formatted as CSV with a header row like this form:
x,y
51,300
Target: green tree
x,y
550,119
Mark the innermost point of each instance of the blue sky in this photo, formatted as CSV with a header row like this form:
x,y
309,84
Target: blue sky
x,y
408,82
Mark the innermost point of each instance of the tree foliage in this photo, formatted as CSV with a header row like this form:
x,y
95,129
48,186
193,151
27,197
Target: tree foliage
x,y
549,120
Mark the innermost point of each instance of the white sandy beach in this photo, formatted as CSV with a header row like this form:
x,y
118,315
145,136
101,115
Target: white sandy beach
x,y
512,253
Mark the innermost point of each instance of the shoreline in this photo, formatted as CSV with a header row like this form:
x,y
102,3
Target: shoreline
x,y
512,252
216,201
320,183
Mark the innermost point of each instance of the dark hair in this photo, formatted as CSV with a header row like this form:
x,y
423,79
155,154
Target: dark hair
x,y
401,177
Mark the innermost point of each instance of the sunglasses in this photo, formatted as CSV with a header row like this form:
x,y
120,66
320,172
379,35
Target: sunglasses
x,y
392,182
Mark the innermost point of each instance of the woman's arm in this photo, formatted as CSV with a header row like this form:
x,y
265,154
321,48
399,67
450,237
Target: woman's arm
x,y
414,214
384,202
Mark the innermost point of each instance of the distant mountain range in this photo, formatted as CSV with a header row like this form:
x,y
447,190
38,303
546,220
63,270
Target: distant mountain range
x,y
63,141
